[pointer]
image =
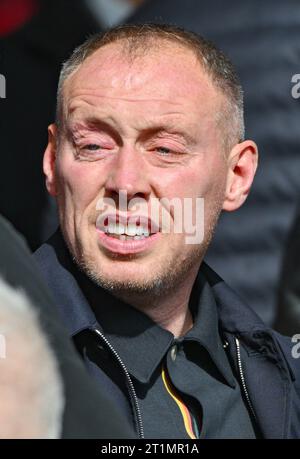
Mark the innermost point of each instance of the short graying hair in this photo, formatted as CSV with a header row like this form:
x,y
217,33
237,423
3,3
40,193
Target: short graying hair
x,y
31,388
137,40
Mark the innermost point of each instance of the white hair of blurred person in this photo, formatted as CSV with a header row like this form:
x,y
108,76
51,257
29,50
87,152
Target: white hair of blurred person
x,y
31,390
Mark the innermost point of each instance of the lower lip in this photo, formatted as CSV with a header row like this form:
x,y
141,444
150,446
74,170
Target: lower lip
x,y
126,247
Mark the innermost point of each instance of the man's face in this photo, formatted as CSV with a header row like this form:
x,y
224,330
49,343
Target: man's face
x,y
147,129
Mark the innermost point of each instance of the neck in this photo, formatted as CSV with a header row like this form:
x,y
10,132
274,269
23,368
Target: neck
x,y
170,311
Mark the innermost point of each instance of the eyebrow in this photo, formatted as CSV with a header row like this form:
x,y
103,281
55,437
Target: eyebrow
x,y
171,129
150,130
92,122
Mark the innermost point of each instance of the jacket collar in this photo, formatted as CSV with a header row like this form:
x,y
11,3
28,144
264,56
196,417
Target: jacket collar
x,y
266,370
57,268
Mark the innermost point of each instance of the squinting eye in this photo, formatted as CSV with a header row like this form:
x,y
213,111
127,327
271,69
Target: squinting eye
x,y
92,147
163,150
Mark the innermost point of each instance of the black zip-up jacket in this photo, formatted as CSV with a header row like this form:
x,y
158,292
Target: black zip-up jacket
x,y
264,361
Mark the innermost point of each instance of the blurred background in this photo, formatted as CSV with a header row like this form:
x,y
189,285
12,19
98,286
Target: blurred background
x,y
256,249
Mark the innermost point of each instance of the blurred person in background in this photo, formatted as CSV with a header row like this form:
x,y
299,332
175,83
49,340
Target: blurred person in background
x,y
36,36
31,390
262,39
88,411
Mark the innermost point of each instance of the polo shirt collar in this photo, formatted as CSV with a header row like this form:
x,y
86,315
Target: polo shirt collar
x,y
142,343
139,341
206,330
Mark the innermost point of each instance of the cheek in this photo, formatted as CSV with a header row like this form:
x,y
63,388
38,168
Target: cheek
x,y
192,181
208,177
79,184
200,180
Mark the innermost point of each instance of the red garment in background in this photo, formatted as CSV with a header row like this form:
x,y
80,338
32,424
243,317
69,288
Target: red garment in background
x,y
15,13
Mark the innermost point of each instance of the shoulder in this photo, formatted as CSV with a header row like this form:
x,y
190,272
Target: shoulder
x,y
290,348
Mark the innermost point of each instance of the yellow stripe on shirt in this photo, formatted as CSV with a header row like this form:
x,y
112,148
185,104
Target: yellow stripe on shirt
x,y
182,407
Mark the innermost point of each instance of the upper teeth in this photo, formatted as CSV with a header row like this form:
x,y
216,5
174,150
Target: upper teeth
x,y
129,230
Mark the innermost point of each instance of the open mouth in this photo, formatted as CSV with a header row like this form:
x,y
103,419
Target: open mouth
x,y
127,235
127,232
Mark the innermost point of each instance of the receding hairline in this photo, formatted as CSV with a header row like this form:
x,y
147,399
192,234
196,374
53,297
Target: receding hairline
x,y
138,41
120,53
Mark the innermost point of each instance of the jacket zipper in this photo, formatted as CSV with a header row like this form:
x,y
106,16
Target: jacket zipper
x,y
129,383
242,378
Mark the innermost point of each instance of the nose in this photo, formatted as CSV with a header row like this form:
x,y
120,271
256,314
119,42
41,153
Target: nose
x,y
128,174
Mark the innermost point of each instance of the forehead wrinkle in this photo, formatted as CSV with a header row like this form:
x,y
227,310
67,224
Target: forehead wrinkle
x,y
87,95
102,113
88,109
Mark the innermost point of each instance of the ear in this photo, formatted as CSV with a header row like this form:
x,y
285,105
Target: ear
x,y
50,159
242,164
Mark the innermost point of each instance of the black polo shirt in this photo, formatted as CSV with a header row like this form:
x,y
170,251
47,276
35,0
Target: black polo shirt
x,y
185,387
